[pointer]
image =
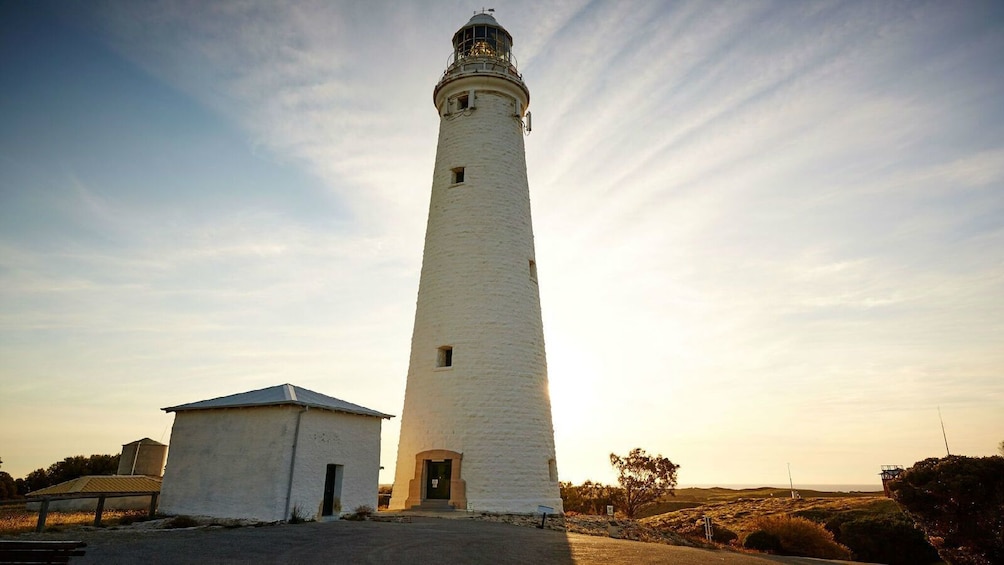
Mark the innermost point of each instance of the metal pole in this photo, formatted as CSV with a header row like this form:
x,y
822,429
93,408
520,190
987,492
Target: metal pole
x,y
790,483
292,461
943,434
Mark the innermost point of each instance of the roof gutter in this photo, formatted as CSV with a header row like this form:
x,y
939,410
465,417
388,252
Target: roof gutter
x,y
292,461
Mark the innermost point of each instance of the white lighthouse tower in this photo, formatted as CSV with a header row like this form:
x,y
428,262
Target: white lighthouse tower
x,y
476,430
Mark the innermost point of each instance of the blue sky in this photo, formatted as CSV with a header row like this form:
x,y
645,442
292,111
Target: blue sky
x,y
766,232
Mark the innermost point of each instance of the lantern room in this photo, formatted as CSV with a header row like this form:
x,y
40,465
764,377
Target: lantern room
x,y
483,37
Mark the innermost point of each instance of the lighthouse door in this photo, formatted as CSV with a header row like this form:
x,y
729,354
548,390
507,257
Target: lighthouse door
x,y
437,482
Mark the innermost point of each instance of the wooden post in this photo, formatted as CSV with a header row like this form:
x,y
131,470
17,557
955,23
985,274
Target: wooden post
x,y
43,511
153,504
99,511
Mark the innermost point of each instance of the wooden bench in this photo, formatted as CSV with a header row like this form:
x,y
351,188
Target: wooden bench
x,y
18,551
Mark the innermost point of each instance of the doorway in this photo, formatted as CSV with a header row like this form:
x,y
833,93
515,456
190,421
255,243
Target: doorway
x,y
437,482
332,490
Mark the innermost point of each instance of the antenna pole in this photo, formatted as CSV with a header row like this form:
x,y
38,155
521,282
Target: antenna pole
x,y
790,483
943,434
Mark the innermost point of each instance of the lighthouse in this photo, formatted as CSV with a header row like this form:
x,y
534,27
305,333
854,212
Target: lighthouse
x,y
476,430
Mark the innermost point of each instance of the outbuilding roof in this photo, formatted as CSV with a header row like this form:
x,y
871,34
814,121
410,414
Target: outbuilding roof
x,y
279,395
102,484
144,441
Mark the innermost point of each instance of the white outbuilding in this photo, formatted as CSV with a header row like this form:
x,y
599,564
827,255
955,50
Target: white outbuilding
x,y
271,455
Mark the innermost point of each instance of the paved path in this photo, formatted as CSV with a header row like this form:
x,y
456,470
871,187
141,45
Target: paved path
x,y
423,540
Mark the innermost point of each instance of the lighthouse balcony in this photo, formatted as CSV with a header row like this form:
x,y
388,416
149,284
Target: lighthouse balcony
x,y
504,67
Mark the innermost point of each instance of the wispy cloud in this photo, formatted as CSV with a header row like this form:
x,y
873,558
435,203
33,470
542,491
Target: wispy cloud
x,y
781,222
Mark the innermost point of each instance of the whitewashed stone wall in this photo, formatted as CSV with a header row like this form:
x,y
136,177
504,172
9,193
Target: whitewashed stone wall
x,y
235,463
477,295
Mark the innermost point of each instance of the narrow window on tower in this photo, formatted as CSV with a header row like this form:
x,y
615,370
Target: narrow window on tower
x,y
458,175
463,102
444,356
552,470
533,270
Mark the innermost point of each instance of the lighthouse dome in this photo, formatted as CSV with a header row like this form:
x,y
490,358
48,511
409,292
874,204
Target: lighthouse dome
x,y
483,18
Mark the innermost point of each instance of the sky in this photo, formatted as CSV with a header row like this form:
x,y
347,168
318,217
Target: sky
x,y
767,233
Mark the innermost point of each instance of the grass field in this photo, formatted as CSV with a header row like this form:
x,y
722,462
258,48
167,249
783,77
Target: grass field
x,y
740,513
694,497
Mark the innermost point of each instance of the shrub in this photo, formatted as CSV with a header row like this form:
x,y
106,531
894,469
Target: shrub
x,y
802,537
763,541
886,539
957,501
296,515
721,534
361,513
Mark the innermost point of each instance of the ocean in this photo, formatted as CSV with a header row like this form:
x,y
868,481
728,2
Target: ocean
x,y
876,487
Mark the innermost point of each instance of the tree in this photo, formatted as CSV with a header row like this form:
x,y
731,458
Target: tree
x,y
1000,448
643,479
71,468
587,498
957,502
8,487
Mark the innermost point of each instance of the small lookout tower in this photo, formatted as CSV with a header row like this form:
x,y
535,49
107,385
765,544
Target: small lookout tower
x,y
476,431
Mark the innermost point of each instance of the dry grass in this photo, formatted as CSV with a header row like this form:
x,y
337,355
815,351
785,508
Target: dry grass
x,y
17,520
740,515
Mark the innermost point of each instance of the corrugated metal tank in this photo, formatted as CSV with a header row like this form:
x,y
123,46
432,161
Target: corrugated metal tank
x,y
143,457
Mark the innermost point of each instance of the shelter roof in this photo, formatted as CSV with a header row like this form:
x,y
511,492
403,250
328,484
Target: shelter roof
x,y
102,484
279,395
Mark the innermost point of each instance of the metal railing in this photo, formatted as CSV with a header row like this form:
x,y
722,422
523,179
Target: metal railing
x,y
483,62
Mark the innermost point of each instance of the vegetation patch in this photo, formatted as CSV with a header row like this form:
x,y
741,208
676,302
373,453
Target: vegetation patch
x,y
17,520
360,514
802,537
957,501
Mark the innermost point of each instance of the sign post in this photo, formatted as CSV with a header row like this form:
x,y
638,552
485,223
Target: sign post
x,y
544,511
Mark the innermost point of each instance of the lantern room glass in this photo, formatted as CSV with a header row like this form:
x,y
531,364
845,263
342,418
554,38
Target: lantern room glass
x,y
482,41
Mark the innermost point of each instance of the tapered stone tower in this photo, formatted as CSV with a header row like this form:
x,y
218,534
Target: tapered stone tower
x,y
476,430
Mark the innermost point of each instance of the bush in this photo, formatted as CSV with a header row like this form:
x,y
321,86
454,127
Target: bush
x,y
802,537
721,534
957,502
886,539
763,541
360,514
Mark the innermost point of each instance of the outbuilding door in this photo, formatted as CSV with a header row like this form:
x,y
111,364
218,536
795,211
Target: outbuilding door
x,y
437,482
332,490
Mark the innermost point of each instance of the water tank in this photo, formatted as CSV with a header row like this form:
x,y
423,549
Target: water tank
x,y
143,457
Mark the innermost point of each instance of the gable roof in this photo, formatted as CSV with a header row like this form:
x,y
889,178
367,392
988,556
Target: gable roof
x,y
144,441
279,395
102,484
